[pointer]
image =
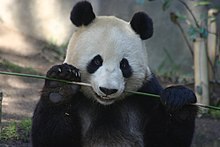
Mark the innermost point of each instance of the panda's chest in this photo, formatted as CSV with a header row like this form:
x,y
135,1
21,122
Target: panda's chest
x,y
114,126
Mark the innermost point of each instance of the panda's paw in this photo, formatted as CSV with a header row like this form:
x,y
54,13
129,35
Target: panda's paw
x,y
60,91
63,72
175,97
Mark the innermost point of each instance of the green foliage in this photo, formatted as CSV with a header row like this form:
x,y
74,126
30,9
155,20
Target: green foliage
x,y
166,4
181,17
9,132
24,129
192,32
214,113
140,2
195,32
175,17
16,131
202,3
25,124
203,32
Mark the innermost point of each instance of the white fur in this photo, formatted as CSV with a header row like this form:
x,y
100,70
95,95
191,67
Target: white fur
x,y
113,39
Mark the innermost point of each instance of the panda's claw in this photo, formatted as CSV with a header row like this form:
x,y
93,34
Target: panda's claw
x,y
59,70
77,74
63,72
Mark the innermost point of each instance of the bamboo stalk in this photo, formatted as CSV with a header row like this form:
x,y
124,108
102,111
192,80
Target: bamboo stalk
x,y
212,41
43,77
87,84
201,71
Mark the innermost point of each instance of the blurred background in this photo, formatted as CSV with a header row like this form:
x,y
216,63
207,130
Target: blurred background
x,y
184,49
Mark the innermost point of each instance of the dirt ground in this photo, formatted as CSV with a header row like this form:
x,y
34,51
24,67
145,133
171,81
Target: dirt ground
x,y
22,94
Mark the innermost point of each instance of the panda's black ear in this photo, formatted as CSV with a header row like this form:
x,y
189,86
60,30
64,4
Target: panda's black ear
x,y
142,24
82,14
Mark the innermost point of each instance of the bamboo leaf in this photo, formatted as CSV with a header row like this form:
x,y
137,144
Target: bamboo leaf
x,y
166,4
141,2
202,3
203,32
174,17
192,32
181,16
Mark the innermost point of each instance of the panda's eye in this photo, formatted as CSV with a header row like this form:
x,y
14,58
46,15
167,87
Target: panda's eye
x,y
125,68
97,61
94,64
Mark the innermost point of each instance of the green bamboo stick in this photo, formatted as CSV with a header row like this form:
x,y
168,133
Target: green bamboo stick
x,y
87,84
143,93
42,77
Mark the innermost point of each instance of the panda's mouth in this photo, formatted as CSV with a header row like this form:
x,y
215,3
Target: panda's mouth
x,y
104,99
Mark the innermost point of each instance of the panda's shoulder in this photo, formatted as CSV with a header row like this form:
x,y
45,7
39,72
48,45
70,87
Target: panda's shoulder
x,y
151,85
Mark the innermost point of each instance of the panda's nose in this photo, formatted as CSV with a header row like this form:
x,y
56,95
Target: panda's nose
x,y
108,91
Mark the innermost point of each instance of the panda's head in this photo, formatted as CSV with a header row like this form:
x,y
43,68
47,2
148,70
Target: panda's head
x,y
109,52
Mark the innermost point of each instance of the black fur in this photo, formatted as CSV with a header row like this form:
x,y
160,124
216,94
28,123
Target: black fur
x,y
136,121
142,24
82,14
94,64
125,68
170,99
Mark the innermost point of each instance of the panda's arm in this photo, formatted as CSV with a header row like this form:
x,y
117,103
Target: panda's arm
x,y
174,99
55,121
180,115
152,86
172,120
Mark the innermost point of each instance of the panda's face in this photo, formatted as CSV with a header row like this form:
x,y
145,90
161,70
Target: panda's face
x,y
110,56
107,78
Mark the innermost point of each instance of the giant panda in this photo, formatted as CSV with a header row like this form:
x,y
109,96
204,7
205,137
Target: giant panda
x,y
110,54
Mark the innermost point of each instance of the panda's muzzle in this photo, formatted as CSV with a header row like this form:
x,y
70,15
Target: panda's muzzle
x,y
107,91
106,96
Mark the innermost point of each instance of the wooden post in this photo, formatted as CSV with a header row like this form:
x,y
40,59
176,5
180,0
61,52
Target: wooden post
x,y
201,71
212,40
1,98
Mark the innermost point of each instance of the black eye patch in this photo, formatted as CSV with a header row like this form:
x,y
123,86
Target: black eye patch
x,y
94,64
125,68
